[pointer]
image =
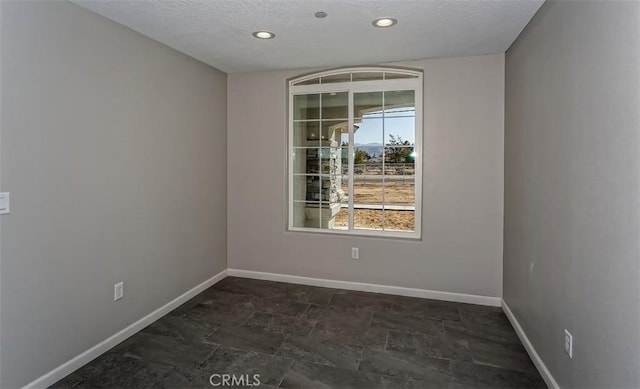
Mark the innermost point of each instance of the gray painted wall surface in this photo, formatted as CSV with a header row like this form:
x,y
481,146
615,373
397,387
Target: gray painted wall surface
x,y
572,189
114,151
461,249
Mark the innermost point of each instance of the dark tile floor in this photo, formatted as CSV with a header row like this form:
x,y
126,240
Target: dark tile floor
x,y
297,336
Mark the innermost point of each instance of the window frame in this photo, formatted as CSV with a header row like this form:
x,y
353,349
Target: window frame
x,y
414,83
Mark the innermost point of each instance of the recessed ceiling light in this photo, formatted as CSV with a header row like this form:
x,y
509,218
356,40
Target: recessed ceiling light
x,y
320,14
385,22
264,34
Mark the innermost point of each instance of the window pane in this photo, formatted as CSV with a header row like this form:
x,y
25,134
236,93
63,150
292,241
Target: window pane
x,y
399,220
369,104
342,196
399,197
335,105
299,161
403,170
306,107
367,187
399,191
312,81
299,218
322,189
332,132
312,215
368,219
396,100
344,77
368,132
318,188
395,76
341,221
299,188
320,215
306,133
367,76
305,160
329,214
398,155
359,164
328,158
344,144
312,161
400,131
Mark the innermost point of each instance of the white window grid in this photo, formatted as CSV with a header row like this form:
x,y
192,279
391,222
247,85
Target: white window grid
x,y
353,87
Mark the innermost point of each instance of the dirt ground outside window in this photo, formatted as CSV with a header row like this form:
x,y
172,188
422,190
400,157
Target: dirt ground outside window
x,y
393,193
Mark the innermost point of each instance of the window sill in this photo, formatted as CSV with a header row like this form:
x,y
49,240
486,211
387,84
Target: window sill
x,y
396,235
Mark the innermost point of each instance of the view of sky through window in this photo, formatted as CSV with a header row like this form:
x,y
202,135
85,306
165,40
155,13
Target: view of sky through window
x,y
397,122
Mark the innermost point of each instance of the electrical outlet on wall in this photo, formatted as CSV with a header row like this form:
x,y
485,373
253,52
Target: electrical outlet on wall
x,y
118,291
4,203
355,253
568,343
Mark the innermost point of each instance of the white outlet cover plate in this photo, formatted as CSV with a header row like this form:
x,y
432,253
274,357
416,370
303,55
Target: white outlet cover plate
x,y
568,343
118,291
5,206
355,253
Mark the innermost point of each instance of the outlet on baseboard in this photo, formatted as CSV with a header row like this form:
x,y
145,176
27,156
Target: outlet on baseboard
x,y
568,343
118,291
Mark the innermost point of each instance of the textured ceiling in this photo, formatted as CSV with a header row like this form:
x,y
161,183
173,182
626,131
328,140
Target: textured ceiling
x,y
218,32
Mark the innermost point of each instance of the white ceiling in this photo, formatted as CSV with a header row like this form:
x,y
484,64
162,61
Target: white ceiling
x,y
218,32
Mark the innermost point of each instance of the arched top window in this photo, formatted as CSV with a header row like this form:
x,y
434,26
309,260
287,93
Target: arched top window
x,y
355,75
355,152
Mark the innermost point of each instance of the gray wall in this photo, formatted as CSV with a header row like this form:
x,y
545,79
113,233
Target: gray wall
x,y
461,249
572,189
114,151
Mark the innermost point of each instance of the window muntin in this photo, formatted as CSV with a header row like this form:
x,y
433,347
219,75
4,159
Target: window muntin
x,y
355,152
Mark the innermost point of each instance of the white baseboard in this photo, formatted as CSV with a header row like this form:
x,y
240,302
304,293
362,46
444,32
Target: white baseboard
x,y
77,362
542,368
375,288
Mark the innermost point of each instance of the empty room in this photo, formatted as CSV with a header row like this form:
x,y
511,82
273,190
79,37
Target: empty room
x,y
319,194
